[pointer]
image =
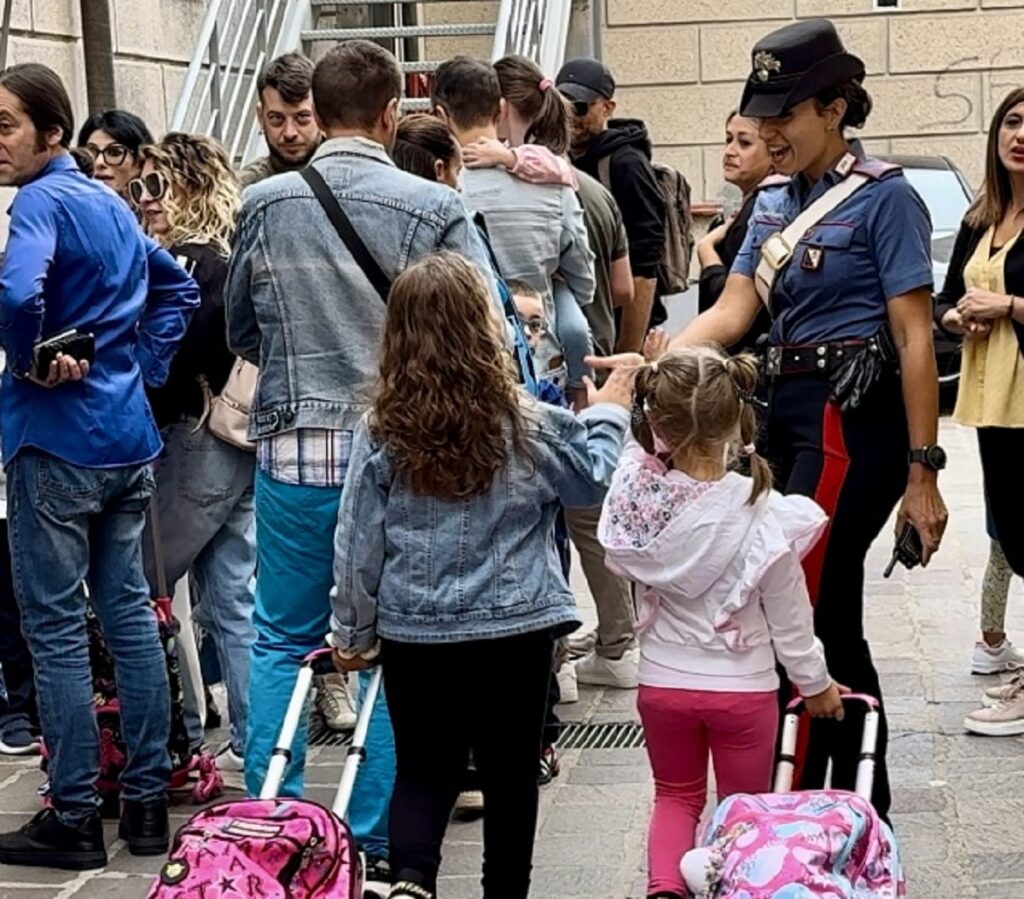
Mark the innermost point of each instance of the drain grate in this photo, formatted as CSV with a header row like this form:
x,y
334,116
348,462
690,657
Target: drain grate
x,y
619,735
622,735
321,735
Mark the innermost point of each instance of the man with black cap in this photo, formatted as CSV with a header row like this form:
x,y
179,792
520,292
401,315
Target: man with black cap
x,y
589,87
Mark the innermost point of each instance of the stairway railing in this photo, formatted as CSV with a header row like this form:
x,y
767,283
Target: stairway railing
x,y
538,29
236,39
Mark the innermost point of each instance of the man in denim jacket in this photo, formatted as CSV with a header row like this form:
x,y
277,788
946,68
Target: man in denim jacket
x,y
77,442
301,308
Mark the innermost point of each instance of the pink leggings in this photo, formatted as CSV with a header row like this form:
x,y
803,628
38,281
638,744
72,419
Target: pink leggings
x,y
680,727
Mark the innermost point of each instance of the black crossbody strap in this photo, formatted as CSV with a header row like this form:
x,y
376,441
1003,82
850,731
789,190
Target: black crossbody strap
x,y
364,259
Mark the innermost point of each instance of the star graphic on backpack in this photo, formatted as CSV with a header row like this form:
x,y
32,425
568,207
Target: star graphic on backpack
x,y
226,885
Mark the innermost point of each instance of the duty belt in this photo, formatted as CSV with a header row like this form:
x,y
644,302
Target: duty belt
x,y
811,358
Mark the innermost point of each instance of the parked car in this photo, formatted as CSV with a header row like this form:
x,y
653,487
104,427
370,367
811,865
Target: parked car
x,y
947,195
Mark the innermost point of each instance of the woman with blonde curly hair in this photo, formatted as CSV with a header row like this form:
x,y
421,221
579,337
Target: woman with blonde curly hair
x,y
444,561
188,196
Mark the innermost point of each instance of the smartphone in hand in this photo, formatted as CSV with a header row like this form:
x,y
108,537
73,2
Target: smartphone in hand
x,y
80,347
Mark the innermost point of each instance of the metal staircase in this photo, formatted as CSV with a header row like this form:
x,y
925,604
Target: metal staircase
x,y
238,37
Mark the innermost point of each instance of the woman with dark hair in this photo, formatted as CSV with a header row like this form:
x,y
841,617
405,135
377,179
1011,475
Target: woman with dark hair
x,y
114,139
746,165
188,195
840,253
424,146
981,301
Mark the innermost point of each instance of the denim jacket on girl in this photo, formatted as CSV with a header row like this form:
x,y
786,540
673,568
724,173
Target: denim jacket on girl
x,y
418,569
298,305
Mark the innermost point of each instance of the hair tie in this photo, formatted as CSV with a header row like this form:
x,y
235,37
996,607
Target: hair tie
x,y
748,449
545,85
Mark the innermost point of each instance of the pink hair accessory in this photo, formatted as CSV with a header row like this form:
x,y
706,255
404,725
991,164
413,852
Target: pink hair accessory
x,y
545,85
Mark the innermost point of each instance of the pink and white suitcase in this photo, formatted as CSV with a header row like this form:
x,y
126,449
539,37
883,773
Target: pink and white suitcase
x,y
270,848
821,844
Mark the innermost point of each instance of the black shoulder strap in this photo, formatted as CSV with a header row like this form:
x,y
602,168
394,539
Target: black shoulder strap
x,y
364,259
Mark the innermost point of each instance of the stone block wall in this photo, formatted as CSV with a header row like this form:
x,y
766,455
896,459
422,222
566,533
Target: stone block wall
x,y
153,43
936,71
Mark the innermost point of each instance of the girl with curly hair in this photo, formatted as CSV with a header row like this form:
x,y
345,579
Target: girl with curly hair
x,y
444,561
188,196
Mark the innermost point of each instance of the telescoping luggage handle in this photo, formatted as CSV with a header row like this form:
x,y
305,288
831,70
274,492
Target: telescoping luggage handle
x,y
868,745
293,716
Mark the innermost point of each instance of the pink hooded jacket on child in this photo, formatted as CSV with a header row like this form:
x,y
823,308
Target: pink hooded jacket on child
x,y
722,578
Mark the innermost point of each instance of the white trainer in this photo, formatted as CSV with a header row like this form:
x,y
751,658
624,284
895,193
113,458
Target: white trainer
x,y
995,659
618,673
995,695
1004,719
568,688
334,702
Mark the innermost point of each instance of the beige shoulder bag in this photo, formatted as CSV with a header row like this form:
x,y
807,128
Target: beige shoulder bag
x,y
227,414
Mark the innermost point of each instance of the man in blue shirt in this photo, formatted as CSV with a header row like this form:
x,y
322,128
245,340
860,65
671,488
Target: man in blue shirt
x,y
77,443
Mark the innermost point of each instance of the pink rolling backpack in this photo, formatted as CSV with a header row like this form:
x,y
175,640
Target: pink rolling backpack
x,y
271,848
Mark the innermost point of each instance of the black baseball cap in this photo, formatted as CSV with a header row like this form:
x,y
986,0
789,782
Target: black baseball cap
x,y
793,64
585,80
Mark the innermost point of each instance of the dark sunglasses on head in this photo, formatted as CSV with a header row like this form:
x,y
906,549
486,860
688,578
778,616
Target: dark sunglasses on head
x,y
149,187
113,154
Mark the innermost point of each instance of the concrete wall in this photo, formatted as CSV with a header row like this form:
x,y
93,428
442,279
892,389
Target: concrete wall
x,y
936,70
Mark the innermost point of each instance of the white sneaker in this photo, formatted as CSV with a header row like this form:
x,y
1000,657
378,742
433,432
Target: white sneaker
x,y
995,659
232,768
568,689
334,702
1004,719
995,695
619,673
581,644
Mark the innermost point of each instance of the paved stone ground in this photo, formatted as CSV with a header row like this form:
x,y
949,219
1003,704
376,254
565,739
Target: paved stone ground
x,y
959,800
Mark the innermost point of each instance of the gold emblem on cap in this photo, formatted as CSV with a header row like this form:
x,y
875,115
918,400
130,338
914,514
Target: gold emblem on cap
x,y
764,64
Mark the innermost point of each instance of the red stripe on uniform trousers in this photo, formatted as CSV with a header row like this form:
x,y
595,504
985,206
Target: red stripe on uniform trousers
x,y
835,465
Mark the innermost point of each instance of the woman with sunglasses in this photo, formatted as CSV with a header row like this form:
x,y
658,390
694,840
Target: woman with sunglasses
x,y
189,197
114,138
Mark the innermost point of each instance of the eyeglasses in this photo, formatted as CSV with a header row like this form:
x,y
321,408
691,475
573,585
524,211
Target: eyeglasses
x,y
535,325
580,108
149,187
113,154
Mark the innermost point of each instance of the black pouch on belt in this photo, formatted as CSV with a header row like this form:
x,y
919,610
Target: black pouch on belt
x,y
854,379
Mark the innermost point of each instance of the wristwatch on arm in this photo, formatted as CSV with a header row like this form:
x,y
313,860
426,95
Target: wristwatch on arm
x,y
933,457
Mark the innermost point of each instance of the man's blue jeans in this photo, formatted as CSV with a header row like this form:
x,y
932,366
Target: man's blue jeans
x,y
295,541
68,526
208,528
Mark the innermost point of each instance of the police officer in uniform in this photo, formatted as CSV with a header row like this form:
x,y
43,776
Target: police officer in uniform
x,y
852,382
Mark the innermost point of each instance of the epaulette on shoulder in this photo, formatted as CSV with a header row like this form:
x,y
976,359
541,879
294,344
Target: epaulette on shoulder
x,y
876,168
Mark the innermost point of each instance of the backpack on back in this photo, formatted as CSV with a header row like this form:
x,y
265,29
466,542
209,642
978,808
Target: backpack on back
x,y
674,267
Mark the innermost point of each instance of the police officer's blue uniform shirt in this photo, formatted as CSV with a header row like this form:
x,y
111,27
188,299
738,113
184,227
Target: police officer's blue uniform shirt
x,y
873,247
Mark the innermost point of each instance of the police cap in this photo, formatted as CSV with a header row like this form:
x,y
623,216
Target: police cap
x,y
794,64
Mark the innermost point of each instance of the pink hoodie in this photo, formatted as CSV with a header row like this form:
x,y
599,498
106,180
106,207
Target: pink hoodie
x,y
722,579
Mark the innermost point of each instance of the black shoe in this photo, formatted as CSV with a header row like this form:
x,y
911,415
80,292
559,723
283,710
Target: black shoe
x,y
47,842
377,878
144,827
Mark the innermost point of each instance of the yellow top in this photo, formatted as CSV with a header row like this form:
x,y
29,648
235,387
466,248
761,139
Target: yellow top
x,y
991,392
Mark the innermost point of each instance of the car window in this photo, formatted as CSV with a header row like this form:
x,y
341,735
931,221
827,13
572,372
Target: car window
x,y
943,194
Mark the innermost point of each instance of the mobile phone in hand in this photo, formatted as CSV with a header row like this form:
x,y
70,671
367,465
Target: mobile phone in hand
x,y
80,347
908,550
